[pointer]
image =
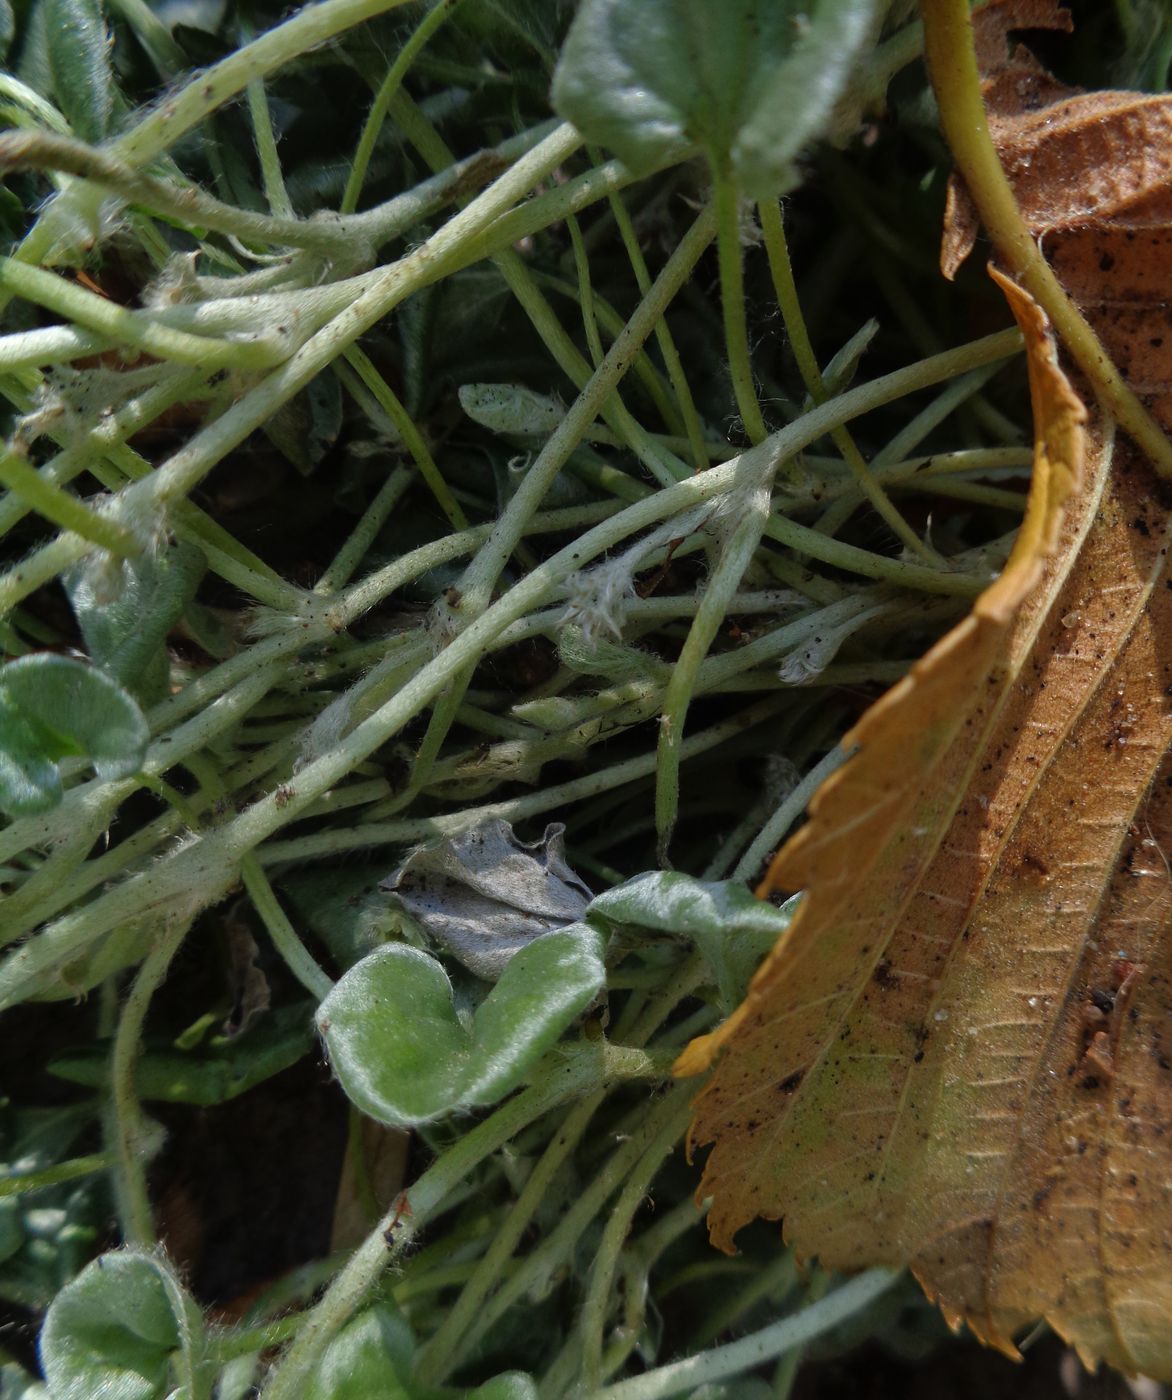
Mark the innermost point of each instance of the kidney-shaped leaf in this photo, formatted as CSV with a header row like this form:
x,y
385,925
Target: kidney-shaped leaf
x,y
29,780
51,707
404,1057
123,1329
750,81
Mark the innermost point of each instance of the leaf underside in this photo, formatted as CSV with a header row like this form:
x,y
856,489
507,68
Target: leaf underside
x,y
959,1057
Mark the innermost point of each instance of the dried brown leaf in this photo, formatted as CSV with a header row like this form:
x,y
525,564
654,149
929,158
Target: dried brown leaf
x,y
959,1057
1074,158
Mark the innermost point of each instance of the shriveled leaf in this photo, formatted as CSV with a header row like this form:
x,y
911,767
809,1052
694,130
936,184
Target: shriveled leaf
x,y
118,1329
960,1055
749,81
1074,158
484,894
403,1055
52,707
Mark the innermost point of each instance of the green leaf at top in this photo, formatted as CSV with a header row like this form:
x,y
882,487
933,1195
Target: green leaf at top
x,y
404,1057
79,60
52,707
749,81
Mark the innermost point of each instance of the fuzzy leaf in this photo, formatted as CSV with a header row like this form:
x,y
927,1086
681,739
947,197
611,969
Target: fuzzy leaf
x,y
79,59
126,608
511,410
731,928
404,1057
52,707
117,1329
750,81
370,1356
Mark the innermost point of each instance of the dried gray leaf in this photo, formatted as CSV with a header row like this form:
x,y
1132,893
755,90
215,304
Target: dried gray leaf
x,y
247,983
484,894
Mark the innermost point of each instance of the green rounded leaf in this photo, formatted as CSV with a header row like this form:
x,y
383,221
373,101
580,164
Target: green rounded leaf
x,y
125,609
544,987
116,1331
732,928
749,81
403,1055
29,780
52,707
371,1356
393,1038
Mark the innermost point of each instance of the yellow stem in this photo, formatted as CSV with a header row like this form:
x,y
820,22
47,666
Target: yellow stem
x,y
952,65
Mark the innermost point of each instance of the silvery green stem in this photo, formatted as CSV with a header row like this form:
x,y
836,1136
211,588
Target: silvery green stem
x,y
683,1377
